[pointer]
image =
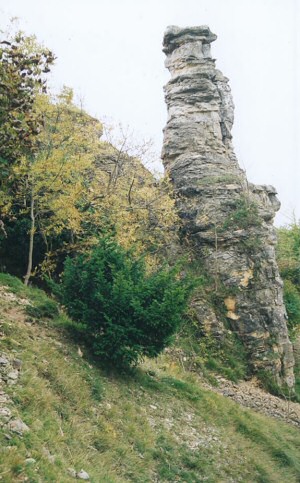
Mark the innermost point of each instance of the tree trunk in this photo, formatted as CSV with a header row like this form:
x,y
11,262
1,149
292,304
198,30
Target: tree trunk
x,y
31,239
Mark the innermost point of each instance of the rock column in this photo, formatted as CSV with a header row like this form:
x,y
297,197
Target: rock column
x,y
227,220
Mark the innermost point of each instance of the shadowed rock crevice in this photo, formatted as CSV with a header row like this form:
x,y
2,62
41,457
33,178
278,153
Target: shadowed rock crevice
x,y
228,220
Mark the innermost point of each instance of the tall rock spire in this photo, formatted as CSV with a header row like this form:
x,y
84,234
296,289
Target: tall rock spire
x,y
227,220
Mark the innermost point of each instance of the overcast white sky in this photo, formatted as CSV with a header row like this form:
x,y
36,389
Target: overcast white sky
x,y
109,51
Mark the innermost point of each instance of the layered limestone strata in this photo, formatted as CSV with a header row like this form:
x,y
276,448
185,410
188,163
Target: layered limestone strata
x,y
227,220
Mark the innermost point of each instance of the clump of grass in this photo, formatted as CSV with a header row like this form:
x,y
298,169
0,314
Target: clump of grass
x,y
244,215
41,305
15,285
283,391
44,309
226,357
278,448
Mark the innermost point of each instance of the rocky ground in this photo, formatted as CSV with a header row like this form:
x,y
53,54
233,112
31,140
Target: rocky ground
x,y
250,395
10,367
10,370
9,374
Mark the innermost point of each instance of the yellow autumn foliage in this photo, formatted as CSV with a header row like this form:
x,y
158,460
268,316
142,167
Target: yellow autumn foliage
x,y
76,180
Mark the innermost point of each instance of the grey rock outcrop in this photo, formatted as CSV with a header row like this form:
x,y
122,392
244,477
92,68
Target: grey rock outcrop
x,y
18,426
227,220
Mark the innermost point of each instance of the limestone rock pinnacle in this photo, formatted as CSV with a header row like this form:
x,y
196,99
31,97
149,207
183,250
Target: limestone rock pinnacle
x,y
227,220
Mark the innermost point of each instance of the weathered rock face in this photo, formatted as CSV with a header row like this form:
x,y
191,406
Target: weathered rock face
x,y
227,220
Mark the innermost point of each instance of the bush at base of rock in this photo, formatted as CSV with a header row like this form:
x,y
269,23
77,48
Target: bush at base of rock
x,y
126,313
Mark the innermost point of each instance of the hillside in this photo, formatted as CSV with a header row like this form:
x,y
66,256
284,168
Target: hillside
x,y
159,424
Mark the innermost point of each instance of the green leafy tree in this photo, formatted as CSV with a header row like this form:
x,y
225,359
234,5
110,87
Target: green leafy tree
x,y
23,64
126,313
51,187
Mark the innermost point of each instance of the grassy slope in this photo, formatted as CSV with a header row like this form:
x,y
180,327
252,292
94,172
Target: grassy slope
x,y
156,425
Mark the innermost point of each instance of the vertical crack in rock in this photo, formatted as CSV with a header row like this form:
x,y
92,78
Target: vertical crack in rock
x,y
228,220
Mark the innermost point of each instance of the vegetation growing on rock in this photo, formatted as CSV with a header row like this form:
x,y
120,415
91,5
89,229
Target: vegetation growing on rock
x,y
227,220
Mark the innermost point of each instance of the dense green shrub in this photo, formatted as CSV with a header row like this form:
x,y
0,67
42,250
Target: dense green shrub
x,y
126,312
292,303
288,257
288,252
